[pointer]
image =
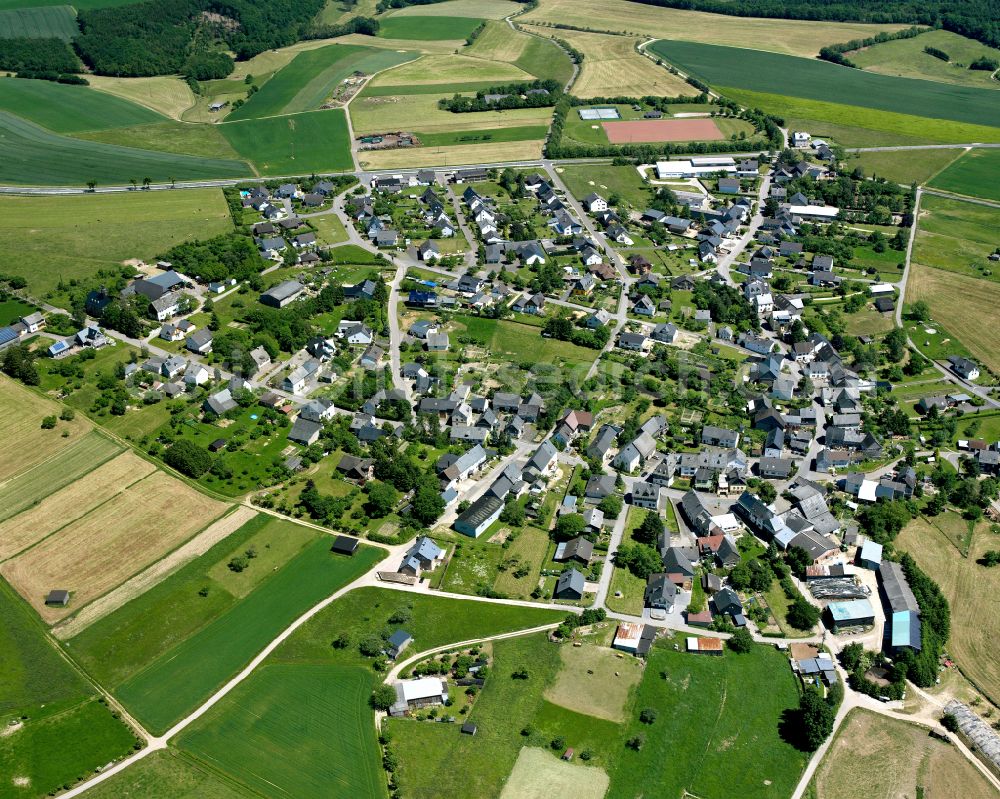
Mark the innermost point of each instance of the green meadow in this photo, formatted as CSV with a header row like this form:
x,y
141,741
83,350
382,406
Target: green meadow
x,y
70,109
297,144
56,22
427,28
974,174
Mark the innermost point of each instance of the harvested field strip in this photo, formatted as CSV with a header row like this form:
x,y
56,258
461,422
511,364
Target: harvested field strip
x,y
813,79
539,774
156,573
25,443
498,42
70,503
450,69
151,518
30,487
661,130
182,677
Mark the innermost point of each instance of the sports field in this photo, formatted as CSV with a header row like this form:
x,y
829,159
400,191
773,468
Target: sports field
x,y
897,759
906,58
48,239
34,156
25,443
813,79
594,681
311,78
854,126
110,543
302,730
94,487
974,174
68,109
315,141
661,130
47,22
539,774
969,589
427,28
796,37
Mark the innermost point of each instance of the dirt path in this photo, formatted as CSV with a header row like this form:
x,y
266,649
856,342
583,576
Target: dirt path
x,y
143,581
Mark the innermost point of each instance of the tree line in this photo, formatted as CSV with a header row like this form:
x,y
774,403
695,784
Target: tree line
x,y
534,94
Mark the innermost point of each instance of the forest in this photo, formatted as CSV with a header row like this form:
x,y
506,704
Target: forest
x,y
977,19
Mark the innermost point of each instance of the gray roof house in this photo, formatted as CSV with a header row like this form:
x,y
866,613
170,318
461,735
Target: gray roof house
x,y
570,585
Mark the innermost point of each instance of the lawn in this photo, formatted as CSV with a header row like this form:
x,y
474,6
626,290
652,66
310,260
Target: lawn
x,y
606,180
311,78
528,549
797,37
852,125
906,58
813,79
519,133
523,343
295,730
62,108
969,589
898,759
906,166
63,718
49,239
315,141
595,681
705,742
46,22
180,677
35,156
976,174
427,28
166,773
539,774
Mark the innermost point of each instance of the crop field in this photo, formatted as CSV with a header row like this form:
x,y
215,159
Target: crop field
x,y
383,113
969,589
796,37
905,166
539,774
35,156
302,730
441,69
594,681
63,719
169,96
482,9
311,78
315,141
813,79
166,773
612,68
854,126
81,4
498,42
520,133
48,239
147,520
185,675
31,486
25,443
716,735
975,174
55,22
183,138
433,28
69,109
898,759
93,488
906,58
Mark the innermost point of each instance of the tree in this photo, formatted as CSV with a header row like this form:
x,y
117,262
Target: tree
x,y
949,722
647,715
920,311
766,492
427,505
569,526
802,615
383,697
990,558
188,458
611,506
48,422
741,641
382,498
640,559
513,514
650,530
817,719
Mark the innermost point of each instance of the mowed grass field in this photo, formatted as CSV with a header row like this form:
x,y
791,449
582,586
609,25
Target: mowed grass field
x,y
795,37
594,681
302,730
67,733
25,443
896,759
974,174
540,57
970,589
906,58
56,22
93,487
541,774
452,155
813,79
426,27
166,773
48,239
167,95
855,126
69,109
311,78
110,543
34,156
607,179
30,487
904,166
613,68
956,236
315,141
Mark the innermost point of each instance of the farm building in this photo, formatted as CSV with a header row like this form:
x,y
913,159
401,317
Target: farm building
x,y
627,637
856,613
282,294
344,545
57,598
870,555
397,642
704,646
415,694
479,516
